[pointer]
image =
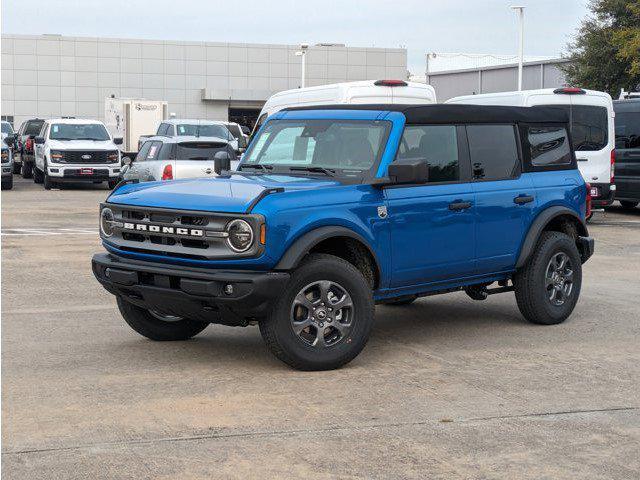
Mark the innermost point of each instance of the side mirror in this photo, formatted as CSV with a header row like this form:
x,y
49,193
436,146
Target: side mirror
x,y
409,171
9,140
126,160
39,140
221,162
117,141
245,130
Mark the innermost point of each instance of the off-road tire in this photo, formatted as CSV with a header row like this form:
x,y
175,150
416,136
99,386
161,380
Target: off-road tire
x,y
277,329
153,328
627,204
529,281
26,170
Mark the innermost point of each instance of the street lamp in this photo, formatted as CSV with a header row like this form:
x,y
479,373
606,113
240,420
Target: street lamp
x,y
303,53
520,11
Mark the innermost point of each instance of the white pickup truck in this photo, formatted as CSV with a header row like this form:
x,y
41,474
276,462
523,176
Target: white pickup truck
x,y
76,150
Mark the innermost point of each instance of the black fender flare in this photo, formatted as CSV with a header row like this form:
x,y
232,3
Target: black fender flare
x,y
303,245
539,225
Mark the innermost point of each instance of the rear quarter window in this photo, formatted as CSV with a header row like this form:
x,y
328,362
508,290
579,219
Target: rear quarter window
x,y
546,146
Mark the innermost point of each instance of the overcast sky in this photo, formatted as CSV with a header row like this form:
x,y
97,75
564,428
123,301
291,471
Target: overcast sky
x,y
469,26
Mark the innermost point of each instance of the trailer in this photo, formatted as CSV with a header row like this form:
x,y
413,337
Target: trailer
x,y
130,118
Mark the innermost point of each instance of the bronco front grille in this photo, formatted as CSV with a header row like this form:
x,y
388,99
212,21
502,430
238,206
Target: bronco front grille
x,y
175,233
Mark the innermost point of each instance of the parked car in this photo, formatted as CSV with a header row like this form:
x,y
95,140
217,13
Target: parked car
x,y
171,158
592,129
628,151
361,92
195,128
7,160
75,150
24,149
334,210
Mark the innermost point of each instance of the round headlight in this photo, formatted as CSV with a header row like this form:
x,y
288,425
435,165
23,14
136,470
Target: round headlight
x,y
240,235
107,220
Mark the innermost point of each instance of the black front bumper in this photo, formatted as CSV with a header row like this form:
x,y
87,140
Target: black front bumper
x,y
195,293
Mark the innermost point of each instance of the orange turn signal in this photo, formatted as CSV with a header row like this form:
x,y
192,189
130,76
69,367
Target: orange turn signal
x,y
263,234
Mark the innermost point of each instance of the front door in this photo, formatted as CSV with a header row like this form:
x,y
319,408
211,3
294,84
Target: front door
x,y
432,225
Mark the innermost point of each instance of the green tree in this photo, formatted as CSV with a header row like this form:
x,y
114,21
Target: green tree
x,y
605,54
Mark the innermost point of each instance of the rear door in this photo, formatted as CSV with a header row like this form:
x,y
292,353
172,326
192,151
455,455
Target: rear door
x,y
505,198
628,149
432,225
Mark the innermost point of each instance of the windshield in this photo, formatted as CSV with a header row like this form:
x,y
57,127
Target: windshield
x,y
33,128
349,147
627,130
187,130
200,151
75,131
6,128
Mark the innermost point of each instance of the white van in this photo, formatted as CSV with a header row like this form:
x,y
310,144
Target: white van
x,y
592,130
366,91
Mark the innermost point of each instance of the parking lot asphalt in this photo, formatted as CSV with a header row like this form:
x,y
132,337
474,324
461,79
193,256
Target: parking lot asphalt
x,y
447,388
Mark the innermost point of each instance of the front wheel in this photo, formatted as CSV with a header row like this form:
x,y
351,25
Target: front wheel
x,y
156,326
548,286
7,184
38,176
26,170
46,181
324,317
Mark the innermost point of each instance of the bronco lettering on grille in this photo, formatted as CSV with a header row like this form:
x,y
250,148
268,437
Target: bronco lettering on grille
x,y
145,227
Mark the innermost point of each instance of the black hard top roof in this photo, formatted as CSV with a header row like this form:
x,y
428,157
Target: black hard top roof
x,y
459,113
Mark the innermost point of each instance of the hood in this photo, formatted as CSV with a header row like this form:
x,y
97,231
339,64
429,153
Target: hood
x,y
81,145
233,194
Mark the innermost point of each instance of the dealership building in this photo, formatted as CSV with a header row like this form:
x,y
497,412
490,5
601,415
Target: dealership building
x,y
54,75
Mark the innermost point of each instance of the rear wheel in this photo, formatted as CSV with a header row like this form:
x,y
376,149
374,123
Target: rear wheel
x,y
157,326
324,317
548,286
628,204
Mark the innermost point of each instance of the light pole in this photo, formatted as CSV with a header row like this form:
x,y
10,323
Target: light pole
x,y
520,11
303,53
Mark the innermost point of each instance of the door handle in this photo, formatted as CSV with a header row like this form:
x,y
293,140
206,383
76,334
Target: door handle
x,y
459,205
522,199
582,159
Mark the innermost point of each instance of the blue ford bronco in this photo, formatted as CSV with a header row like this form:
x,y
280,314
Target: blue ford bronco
x,y
334,209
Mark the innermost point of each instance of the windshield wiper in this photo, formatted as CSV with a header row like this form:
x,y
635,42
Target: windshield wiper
x,y
257,166
327,171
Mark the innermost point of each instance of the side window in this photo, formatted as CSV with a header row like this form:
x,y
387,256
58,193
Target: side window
x,y
627,130
494,151
143,152
165,151
154,151
162,128
437,145
546,145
